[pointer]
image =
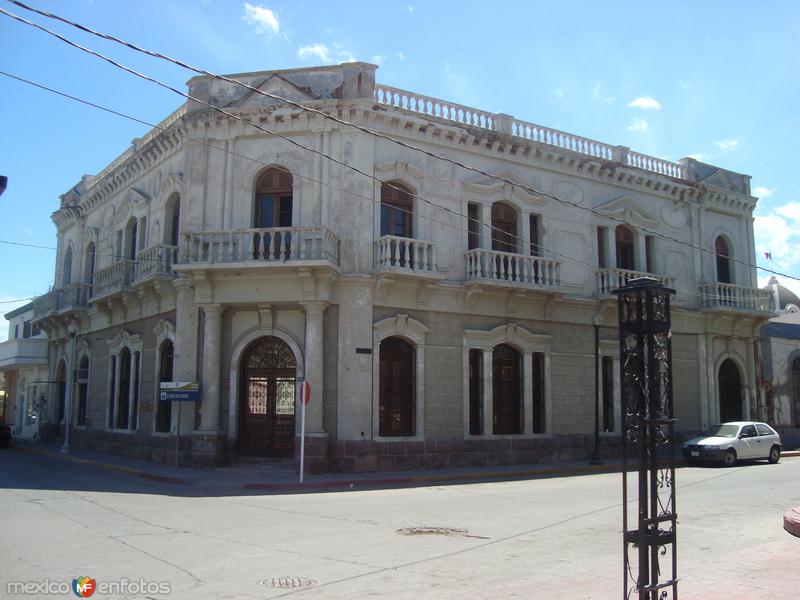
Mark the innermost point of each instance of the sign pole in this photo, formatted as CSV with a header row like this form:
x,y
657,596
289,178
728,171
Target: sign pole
x,y
178,439
303,393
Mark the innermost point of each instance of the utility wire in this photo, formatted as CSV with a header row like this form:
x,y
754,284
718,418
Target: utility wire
x,y
339,121
563,257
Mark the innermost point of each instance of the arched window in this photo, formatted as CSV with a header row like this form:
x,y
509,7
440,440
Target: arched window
x,y
624,243
124,391
166,354
722,251
83,390
796,390
504,227
131,235
397,210
730,392
507,389
273,202
172,220
397,387
88,265
66,276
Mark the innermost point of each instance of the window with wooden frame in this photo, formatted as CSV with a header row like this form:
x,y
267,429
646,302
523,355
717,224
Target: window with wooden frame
x,y
504,227
473,225
507,390
397,210
397,387
475,392
625,252
274,201
722,251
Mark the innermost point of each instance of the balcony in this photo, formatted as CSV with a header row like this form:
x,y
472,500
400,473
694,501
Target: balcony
x,y
75,297
515,270
295,246
112,280
727,296
611,279
23,352
155,262
401,255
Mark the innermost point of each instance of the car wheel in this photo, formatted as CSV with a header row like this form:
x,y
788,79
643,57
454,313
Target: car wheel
x,y
729,460
774,455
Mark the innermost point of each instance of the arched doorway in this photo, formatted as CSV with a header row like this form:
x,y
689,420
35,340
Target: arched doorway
x,y
507,389
268,372
730,392
396,415
61,390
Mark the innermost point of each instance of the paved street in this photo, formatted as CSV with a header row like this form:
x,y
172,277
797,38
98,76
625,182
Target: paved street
x,y
556,538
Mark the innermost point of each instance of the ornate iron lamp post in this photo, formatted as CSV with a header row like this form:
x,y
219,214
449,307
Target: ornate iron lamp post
x,y
648,441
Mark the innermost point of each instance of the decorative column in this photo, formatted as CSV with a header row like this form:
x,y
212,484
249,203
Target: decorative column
x,y
488,392
640,251
186,345
527,391
611,247
314,363
209,411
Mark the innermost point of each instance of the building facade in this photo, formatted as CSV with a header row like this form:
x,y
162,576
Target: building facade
x,y
442,315
23,366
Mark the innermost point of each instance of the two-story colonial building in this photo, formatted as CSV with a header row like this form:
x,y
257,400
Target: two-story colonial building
x,y
443,315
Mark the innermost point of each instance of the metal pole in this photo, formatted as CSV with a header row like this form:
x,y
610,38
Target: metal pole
x,y
596,454
302,430
65,449
178,439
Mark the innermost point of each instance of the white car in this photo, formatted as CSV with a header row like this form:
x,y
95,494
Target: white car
x,y
734,441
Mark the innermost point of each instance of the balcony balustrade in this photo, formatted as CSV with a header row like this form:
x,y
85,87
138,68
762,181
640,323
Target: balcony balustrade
x,y
512,269
735,297
611,279
154,261
260,246
398,254
74,297
113,279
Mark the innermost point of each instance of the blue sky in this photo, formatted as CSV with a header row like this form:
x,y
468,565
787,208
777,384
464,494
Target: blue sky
x,y
715,80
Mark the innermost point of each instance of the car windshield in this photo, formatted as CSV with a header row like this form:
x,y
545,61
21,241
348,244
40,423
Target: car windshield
x,y
727,431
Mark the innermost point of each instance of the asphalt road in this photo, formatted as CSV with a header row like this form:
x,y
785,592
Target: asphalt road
x,y
555,538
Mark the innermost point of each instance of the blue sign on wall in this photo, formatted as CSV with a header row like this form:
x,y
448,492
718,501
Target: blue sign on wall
x,y
179,391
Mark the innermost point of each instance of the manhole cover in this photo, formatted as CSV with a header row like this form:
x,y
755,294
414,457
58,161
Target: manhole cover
x,y
288,582
431,531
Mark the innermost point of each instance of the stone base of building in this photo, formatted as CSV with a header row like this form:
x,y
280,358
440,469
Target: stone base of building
x,y
153,448
208,449
316,453
364,456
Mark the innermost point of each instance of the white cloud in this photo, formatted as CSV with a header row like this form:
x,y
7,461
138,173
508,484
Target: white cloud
x,y
401,56
763,192
645,103
319,51
685,85
638,126
410,8
263,19
599,93
727,145
558,93
378,59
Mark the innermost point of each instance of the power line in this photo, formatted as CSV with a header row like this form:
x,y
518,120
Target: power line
x,y
339,121
372,199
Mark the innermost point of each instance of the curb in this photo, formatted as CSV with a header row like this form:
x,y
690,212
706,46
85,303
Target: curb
x,y
362,483
103,465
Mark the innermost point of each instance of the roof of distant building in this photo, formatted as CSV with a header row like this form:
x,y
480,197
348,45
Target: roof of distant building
x,y
786,297
18,311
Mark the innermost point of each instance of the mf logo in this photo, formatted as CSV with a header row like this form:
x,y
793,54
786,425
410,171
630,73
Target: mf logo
x,y
84,586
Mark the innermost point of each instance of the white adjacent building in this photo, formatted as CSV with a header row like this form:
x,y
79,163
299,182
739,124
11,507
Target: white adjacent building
x,y
23,366
443,316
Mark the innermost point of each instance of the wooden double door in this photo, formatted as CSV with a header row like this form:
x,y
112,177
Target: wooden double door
x,y
268,378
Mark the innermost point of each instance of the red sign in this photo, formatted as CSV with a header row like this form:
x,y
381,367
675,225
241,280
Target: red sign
x,y
305,392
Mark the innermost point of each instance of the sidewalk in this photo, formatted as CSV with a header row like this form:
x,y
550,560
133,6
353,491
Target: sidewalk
x,y
284,478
